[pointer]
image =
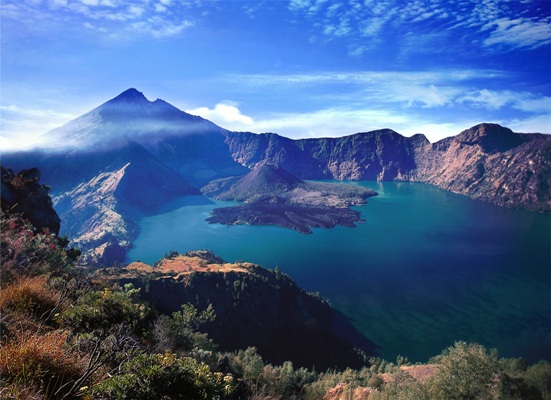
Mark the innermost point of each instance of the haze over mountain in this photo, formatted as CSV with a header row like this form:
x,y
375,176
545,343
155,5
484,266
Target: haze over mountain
x,y
130,156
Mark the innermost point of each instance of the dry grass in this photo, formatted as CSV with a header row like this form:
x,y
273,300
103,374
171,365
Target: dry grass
x,y
29,296
39,363
182,264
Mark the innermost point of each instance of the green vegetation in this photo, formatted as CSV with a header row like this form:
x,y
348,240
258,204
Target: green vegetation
x,y
66,334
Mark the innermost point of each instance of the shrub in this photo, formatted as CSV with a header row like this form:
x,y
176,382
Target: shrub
x,y
24,251
468,372
179,332
157,376
102,311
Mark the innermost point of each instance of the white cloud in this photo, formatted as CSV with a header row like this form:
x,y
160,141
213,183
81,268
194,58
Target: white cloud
x,y
494,100
336,122
427,89
485,98
227,115
328,122
534,124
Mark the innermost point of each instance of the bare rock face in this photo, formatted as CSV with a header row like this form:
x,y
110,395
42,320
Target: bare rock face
x,y
22,194
491,163
377,155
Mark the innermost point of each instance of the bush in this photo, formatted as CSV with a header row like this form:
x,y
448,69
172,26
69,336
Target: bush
x,y
156,376
25,252
179,332
102,311
468,372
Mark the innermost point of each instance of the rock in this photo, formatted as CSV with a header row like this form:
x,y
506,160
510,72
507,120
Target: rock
x,y
23,194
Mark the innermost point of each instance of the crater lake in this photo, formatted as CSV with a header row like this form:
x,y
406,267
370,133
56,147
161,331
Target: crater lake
x,y
427,268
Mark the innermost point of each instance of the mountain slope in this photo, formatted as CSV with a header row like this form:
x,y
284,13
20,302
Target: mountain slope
x,y
129,116
101,214
377,155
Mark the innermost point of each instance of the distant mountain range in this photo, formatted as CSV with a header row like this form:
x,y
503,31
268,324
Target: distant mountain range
x,y
130,156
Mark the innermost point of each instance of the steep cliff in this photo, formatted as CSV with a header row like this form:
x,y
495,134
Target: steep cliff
x,y
486,162
377,155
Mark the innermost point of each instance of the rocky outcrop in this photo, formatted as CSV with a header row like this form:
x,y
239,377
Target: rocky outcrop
x,y
23,194
254,307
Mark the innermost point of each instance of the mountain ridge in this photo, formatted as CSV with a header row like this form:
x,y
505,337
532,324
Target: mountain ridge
x,y
485,162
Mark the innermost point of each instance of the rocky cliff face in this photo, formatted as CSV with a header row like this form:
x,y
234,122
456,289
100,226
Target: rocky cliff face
x,y
486,162
490,163
22,194
377,155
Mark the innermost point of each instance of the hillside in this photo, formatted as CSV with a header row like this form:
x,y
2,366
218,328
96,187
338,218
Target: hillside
x,y
158,153
69,333
253,306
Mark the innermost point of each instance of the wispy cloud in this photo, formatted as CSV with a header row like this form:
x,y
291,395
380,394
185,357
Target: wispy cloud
x,y
21,128
426,89
336,122
494,100
439,103
115,19
493,23
520,33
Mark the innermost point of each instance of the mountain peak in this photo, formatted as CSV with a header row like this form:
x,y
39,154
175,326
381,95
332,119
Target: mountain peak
x,y
491,137
131,95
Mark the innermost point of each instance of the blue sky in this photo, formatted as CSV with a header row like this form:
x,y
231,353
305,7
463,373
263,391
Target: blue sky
x,y
300,68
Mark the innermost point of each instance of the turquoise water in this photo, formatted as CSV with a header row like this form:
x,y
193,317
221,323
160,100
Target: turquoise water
x,y
427,267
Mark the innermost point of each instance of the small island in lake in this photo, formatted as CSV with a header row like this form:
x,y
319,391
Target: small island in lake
x,y
274,196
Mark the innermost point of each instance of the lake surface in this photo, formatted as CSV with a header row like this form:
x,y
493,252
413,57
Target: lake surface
x,y
427,267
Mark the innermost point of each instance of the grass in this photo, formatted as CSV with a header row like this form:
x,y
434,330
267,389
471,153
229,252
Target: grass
x,y
39,361
29,295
